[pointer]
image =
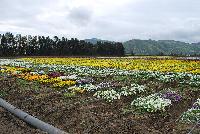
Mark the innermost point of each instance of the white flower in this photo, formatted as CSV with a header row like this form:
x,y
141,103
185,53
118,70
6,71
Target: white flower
x,y
63,77
151,103
33,73
72,77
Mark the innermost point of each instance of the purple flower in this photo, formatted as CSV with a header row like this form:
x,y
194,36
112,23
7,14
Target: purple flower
x,y
174,97
196,106
55,74
85,81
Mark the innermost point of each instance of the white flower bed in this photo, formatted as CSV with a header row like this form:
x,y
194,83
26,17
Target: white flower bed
x,y
133,90
87,87
151,103
108,95
192,115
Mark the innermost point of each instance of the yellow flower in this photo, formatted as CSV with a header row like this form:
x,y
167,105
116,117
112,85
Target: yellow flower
x,y
64,83
144,63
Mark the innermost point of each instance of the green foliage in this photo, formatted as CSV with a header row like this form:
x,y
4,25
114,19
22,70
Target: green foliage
x,y
2,93
161,47
27,85
192,115
69,94
22,82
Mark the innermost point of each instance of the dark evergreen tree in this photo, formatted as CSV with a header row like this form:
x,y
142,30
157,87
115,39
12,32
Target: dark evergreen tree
x,y
19,45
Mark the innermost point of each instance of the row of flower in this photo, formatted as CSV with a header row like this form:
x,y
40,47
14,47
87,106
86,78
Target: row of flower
x,y
76,77
161,65
182,78
157,102
26,74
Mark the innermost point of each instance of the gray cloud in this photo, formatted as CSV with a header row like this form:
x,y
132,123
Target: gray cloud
x,y
80,16
117,20
20,9
187,35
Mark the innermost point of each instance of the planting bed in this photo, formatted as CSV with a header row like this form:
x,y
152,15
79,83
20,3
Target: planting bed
x,y
81,96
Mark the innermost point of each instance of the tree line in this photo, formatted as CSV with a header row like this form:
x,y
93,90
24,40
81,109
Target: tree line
x,y
18,45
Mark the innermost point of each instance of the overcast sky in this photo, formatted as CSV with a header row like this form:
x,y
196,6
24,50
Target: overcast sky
x,y
117,20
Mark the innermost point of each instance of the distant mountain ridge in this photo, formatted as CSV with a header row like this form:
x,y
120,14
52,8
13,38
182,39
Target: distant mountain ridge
x,y
160,47
153,47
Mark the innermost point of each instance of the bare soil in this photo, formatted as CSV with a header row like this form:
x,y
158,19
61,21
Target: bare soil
x,y
9,124
84,114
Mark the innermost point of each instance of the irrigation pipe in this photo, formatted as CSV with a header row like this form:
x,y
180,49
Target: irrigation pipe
x,y
198,122
30,119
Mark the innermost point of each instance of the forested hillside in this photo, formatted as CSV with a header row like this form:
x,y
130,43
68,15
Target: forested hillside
x,y
160,47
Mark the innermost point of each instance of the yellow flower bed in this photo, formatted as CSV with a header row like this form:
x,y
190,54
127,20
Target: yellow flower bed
x,y
12,70
64,83
45,79
31,77
57,82
162,65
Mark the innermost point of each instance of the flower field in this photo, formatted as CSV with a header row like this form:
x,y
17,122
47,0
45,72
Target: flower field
x,y
155,95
